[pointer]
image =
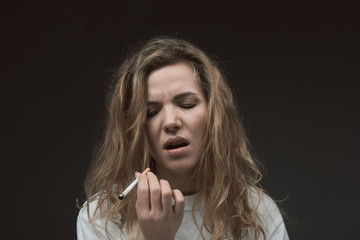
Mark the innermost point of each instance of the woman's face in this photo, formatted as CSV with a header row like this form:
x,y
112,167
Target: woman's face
x,y
176,117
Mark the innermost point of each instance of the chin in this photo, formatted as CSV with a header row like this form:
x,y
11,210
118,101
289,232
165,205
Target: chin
x,y
178,166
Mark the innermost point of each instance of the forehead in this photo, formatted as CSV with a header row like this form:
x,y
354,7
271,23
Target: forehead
x,y
172,80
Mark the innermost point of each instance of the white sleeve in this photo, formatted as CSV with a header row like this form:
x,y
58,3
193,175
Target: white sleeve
x,y
271,218
279,233
276,229
85,230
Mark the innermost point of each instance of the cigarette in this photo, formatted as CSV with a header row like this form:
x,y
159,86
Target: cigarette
x,y
132,185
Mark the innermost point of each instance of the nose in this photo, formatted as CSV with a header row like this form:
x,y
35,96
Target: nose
x,y
171,120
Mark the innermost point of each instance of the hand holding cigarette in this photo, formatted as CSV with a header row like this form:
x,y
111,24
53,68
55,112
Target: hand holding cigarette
x,y
158,217
131,186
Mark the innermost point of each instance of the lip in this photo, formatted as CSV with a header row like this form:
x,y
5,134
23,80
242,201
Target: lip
x,y
176,140
176,151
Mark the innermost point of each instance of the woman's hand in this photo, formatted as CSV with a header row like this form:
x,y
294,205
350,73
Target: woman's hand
x,y
159,219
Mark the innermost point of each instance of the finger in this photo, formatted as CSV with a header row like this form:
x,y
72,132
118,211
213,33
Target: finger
x,y
155,192
137,174
143,197
179,202
166,196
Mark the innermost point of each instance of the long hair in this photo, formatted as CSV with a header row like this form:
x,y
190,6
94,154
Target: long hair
x,y
227,170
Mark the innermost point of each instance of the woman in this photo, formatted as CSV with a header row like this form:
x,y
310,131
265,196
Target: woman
x,y
170,109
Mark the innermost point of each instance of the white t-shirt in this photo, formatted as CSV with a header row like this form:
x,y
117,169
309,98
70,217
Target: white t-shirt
x,y
271,219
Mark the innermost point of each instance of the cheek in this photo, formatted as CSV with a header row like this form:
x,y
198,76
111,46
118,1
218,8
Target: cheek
x,y
151,135
201,118
149,130
199,123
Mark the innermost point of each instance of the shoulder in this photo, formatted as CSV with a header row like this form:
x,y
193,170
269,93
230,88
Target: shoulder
x,y
270,216
265,206
91,222
89,211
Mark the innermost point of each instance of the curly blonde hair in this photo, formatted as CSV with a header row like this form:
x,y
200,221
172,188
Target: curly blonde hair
x,y
227,170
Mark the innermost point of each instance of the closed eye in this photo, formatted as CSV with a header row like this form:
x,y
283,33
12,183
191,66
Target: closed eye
x,y
150,114
152,109
187,105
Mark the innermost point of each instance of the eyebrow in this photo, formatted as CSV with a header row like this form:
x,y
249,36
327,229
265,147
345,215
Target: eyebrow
x,y
183,95
176,98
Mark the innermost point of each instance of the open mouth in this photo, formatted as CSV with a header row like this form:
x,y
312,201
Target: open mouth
x,y
175,143
173,146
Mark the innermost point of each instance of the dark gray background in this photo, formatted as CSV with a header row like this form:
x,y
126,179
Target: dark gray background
x,y
293,68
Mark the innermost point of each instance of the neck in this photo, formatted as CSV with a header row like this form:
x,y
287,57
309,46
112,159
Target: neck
x,y
185,182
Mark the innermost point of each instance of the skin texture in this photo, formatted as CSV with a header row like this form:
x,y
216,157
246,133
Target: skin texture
x,y
176,108
158,218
